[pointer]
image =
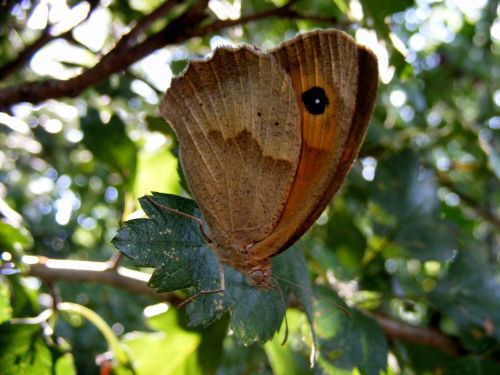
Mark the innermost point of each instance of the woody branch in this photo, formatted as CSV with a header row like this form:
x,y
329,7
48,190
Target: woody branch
x,y
195,21
54,270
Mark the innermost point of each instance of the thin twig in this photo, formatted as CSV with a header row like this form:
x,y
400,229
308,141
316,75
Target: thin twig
x,y
131,37
45,37
395,329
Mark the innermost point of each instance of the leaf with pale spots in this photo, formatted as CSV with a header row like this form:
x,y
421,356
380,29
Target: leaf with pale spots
x,y
173,244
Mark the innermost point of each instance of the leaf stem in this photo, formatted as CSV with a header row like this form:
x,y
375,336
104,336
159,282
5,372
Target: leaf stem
x,y
101,325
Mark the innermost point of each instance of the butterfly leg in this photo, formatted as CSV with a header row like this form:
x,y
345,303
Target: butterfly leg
x,y
221,289
177,212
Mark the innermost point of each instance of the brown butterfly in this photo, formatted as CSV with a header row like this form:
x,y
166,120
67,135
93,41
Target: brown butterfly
x,y
266,139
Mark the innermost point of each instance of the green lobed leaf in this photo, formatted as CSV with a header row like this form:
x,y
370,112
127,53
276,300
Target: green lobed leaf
x,y
173,244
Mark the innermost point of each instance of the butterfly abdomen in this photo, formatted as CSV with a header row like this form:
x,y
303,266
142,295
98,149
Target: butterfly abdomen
x,y
258,272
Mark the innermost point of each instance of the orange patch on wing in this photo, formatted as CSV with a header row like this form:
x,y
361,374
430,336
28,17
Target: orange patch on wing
x,y
318,135
311,167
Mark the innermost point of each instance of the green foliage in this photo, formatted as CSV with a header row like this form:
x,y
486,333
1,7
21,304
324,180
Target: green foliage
x,y
379,10
5,308
13,239
173,244
411,237
174,348
110,144
348,342
23,350
479,295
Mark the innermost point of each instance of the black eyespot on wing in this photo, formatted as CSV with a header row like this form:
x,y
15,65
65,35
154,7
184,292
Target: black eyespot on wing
x,y
315,100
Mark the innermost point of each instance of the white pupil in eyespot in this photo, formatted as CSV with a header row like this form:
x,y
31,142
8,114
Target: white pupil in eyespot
x,y
316,101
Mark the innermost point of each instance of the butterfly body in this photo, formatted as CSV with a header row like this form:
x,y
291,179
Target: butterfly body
x,y
266,139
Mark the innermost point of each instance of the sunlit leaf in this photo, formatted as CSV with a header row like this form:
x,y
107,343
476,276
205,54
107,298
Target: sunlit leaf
x,y
23,350
14,239
65,365
5,308
170,351
148,177
284,358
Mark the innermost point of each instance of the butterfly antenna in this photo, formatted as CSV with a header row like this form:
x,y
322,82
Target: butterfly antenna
x,y
284,307
330,302
177,212
312,357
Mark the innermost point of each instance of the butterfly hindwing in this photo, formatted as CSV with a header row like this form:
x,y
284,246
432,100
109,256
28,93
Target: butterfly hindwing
x,y
238,126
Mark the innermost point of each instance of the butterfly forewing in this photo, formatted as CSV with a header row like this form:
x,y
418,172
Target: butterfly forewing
x,y
335,92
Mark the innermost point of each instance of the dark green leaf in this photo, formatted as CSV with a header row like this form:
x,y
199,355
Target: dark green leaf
x,y
349,342
157,240
422,359
470,294
344,243
407,193
173,244
110,144
472,366
238,359
325,8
